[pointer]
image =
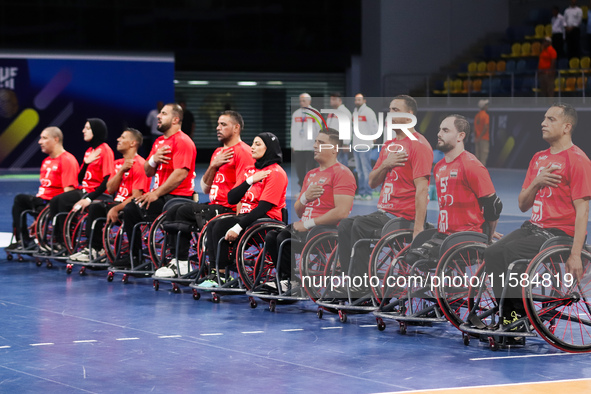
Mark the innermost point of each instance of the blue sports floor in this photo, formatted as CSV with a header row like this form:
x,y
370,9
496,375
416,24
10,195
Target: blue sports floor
x,y
71,333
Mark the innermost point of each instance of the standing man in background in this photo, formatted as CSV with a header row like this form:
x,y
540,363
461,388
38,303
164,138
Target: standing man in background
x,y
368,125
336,102
302,147
573,16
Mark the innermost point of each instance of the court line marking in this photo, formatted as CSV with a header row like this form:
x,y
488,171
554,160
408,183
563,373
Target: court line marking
x,y
170,336
4,347
488,386
367,325
252,332
126,339
86,341
331,328
293,329
45,379
42,344
215,333
523,356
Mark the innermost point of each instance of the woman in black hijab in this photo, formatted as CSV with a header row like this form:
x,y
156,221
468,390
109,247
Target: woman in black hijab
x,y
261,195
92,177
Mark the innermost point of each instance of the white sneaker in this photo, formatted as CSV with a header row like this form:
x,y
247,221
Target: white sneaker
x,y
165,272
170,270
81,256
96,254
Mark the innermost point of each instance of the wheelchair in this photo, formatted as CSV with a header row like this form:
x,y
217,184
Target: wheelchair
x,y
556,304
31,230
49,249
415,294
398,233
314,252
249,259
160,253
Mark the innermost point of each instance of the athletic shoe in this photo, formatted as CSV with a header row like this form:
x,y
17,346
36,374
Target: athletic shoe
x,y
358,197
272,285
81,256
170,270
368,197
211,280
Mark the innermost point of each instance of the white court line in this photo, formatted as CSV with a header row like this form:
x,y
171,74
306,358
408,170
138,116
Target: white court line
x,y
293,329
252,332
86,341
42,344
331,328
215,333
170,336
367,325
126,339
524,356
4,347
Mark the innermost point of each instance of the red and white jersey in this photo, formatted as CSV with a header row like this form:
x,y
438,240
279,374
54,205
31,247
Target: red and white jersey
x,y
134,179
335,180
367,122
460,183
398,190
57,174
553,206
271,189
226,176
98,169
182,155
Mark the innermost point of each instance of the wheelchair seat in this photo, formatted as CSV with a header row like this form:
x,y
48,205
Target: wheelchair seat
x,y
462,236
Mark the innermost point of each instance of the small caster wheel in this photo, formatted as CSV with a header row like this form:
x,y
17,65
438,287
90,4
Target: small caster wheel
x,y
381,324
110,276
319,313
82,270
494,346
49,264
403,328
69,269
342,316
175,288
20,258
253,303
9,257
156,285
196,295
466,339
38,263
125,279
272,305
216,298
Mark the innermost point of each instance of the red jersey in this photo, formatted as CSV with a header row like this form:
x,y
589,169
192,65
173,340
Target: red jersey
x,y
398,190
226,176
271,189
183,154
56,174
460,183
335,180
134,179
98,169
553,206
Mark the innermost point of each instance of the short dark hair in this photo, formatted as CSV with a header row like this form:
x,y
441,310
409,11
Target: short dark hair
x,y
461,124
333,135
335,94
410,102
177,111
236,117
136,135
570,113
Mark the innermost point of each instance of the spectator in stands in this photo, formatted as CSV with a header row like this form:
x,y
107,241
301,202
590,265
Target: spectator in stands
x,y
558,25
302,155
482,132
336,102
547,68
188,126
58,175
573,16
368,125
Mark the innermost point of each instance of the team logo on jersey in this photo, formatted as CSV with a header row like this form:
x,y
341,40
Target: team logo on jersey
x,y
249,196
219,178
322,181
54,168
443,167
453,174
311,175
45,182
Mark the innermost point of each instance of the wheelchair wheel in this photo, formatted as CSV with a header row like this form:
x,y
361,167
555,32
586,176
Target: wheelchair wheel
x,y
156,247
115,241
558,305
249,259
202,238
460,272
383,254
75,231
314,262
43,229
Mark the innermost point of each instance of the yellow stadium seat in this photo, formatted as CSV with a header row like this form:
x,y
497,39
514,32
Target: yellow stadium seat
x,y
482,67
472,67
525,49
457,86
540,31
573,64
570,84
536,47
501,66
585,10
516,49
560,81
548,32
585,62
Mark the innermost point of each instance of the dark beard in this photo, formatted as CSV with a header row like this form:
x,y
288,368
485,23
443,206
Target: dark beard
x,y
443,147
163,128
